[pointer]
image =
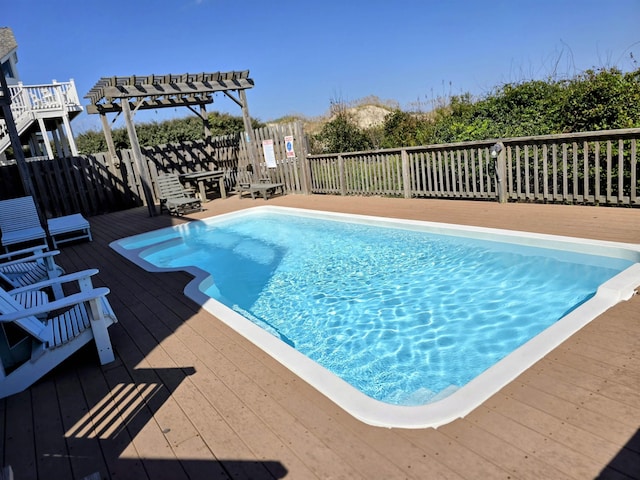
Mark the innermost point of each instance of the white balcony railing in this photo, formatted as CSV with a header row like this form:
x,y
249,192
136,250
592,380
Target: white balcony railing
x,y
30,102
54,96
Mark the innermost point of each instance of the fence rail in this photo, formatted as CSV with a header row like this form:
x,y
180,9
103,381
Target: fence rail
x,y
596,168
599,168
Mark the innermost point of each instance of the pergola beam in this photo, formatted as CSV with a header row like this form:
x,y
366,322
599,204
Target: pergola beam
x,y
164,89
149,104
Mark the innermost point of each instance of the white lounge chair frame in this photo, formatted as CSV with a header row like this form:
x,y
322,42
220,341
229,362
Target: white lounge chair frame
x,y
20,222
86,316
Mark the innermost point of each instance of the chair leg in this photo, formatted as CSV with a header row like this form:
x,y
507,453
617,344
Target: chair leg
x,y
100,332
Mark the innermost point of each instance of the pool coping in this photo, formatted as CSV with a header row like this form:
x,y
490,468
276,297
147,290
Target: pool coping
x,y
466,398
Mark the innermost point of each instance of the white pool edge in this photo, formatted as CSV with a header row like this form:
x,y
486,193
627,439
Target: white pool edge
x,y
470,396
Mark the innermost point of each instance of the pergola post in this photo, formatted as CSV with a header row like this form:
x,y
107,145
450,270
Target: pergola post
x,y
206,128
106,129
138,159
251,139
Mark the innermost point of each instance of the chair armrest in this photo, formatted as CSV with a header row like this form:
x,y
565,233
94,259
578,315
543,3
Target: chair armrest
x,y
69,301
24,251
31,258
70,277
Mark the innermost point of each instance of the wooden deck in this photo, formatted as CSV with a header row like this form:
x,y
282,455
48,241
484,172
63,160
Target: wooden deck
x,y
187,397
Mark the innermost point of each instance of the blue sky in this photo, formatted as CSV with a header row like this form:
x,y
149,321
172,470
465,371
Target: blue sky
x,y
304,55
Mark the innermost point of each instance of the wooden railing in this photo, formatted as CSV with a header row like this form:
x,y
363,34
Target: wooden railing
x,y
595,168
599,168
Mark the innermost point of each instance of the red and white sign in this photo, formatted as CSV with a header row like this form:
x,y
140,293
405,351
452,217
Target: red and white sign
x,y
288,145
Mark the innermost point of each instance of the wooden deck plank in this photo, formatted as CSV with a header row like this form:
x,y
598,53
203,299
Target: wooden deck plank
x,y
526,439
102,421
51,450
450,452
190,398
85,453
500,451
19,443
548,439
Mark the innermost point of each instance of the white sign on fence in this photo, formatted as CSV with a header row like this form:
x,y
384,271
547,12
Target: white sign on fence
x,y
288,143
269,155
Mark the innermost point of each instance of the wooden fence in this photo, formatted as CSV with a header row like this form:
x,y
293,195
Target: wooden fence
x,y
598,168
96,184
290,168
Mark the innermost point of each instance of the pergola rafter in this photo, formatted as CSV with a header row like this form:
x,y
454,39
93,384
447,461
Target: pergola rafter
x,y
127,95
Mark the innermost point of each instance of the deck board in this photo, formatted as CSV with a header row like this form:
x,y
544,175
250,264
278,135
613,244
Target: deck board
x,y
187,397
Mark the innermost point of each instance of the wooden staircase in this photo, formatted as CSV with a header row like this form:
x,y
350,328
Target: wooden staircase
x,y
38,107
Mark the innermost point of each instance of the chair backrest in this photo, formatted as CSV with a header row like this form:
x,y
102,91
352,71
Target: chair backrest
x,y
244,177
18,214
169,186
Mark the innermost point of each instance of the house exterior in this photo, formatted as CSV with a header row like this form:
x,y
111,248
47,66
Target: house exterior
x,y
9,56
42,113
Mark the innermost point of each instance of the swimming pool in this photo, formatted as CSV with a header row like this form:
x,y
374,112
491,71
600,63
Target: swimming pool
x,y
260,265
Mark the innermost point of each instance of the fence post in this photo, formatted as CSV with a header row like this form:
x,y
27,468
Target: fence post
x,y
406,173
305,167
500,155
343,187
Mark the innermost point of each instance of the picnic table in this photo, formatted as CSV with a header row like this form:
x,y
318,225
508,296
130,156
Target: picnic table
x,y
201,178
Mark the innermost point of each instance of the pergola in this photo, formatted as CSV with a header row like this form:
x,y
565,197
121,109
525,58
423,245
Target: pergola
x,y
127,95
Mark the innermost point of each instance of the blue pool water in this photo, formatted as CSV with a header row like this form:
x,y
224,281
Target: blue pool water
x,y
406,317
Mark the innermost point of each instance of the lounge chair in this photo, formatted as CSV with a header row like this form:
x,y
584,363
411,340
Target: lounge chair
x,y
174,197
20,222
264,186
31,347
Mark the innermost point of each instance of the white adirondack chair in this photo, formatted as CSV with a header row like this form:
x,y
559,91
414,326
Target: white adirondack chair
x,y
31,347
